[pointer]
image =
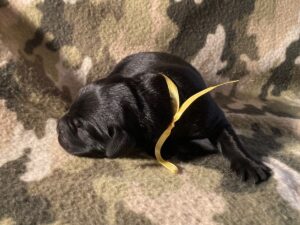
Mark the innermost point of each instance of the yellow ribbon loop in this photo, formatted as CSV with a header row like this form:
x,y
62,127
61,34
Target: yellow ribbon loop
x,y
178,113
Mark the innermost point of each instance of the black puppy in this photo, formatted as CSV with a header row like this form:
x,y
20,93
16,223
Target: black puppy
x,y
131,107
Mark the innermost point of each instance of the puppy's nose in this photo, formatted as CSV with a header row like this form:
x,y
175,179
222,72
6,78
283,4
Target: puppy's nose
x,y
59,129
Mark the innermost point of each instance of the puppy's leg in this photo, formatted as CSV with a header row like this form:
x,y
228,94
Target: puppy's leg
x,y
194,148
186,149
241,160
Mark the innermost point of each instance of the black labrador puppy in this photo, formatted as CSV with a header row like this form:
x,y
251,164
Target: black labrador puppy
x,y
131,107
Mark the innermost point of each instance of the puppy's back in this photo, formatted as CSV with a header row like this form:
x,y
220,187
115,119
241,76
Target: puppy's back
x,y
180,71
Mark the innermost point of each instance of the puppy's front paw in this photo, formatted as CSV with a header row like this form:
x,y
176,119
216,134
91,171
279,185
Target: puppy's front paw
x,y
248,169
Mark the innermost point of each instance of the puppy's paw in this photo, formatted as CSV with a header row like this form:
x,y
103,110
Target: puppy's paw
x,y
248,169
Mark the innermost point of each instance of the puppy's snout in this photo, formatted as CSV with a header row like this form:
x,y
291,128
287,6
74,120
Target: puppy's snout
x,y
59,128
61,137
60,131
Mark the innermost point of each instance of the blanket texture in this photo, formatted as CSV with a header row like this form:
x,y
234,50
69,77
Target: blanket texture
x,y
51,48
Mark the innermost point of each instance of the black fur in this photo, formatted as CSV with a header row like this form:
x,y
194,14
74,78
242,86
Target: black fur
x,y
131,108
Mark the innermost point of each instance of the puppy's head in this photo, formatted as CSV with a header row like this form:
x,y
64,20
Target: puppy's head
x,y
94,125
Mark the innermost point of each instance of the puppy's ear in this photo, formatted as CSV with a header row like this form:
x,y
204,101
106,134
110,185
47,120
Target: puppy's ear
x,y
119,143
151,80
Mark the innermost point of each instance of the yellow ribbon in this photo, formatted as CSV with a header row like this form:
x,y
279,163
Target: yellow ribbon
x,y
178,113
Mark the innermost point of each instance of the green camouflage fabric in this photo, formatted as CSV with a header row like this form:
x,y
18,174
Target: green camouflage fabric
x,y
51,48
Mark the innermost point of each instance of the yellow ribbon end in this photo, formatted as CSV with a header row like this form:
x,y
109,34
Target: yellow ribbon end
x,y
170,166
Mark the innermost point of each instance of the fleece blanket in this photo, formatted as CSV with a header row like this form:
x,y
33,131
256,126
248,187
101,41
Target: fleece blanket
x,y
51,48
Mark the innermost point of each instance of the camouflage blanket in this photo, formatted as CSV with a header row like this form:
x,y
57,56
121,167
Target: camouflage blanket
x,y
51,48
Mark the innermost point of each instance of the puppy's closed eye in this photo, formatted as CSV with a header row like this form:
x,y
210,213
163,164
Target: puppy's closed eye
x,y
110,131
119,142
